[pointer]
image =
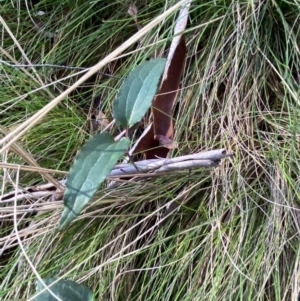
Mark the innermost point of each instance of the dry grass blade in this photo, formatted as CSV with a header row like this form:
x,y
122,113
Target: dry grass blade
x,y
224,233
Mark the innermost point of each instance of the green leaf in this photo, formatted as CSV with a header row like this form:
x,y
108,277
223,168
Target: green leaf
x,y
137,92
94,162
66,290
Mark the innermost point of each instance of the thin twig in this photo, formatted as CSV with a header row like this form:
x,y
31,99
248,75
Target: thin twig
x,y
152,167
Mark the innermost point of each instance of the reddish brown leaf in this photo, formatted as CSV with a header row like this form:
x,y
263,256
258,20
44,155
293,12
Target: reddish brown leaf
x,y
164,101
159,139
162,108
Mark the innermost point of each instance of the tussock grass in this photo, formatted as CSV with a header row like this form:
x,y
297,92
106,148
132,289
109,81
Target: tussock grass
x,y
236,234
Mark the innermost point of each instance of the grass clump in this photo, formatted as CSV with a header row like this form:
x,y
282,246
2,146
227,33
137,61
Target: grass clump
x,y
236,235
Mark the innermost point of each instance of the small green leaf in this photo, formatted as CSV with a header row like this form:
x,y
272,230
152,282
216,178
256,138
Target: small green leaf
x,y
66,290
94,162
137,92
